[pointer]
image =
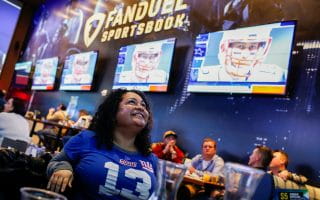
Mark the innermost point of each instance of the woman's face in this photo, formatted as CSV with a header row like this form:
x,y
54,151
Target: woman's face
x,y
132,111
8,107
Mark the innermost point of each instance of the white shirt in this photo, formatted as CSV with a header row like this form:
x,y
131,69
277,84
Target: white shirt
x,y
14,126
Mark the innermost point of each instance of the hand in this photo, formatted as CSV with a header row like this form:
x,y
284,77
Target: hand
x,y
59,180
284,174
51,110
167,148
191,169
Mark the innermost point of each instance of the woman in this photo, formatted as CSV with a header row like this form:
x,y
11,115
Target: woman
x,y
13,125
112,160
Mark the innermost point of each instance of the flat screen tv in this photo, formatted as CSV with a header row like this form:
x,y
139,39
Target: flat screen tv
x,y
45,74
9,15
78,71
22,74
145,66
251,60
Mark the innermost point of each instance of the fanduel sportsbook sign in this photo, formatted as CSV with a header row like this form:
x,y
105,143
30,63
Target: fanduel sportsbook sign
x,y
129,21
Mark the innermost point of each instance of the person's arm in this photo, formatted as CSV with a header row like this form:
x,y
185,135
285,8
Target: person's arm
x,y
218,167
55,116
298,178
286,175
50,113
158,150
60,161
60,172
179,155
193,167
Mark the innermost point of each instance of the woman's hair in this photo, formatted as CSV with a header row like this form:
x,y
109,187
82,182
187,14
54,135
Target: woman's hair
x,y
104,122
19,106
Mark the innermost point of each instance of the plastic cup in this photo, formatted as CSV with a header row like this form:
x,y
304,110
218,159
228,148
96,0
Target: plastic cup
x,y
29,193
240,181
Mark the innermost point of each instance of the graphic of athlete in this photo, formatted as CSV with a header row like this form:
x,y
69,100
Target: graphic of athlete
x,y
241,57
79,70
145,61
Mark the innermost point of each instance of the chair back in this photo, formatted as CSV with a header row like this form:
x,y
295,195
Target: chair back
x,y
16,144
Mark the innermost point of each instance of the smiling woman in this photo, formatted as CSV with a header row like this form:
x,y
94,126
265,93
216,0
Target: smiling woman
x,y
112,160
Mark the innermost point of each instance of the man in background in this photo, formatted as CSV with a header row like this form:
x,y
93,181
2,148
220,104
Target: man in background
x,y
145,63
260,159
207,162
168,150
203,166
83,121
58,115
278,167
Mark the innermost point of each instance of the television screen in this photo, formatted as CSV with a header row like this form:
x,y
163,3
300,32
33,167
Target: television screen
x,y
78,71
9,14
145,66
22,73
253,60
45,74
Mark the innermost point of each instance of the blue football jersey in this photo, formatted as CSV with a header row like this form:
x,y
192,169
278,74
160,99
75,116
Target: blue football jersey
x,y
109,174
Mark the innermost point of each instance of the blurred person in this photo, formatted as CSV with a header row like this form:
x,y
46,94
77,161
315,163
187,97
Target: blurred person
x,y
167,149
84,119
278,167
83,122
145,61
207,162
241,56
73,22
260,158
112,160
58,115
80,69
39,45
13,125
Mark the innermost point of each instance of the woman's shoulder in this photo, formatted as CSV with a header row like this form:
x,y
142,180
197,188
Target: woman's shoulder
x,y
85,135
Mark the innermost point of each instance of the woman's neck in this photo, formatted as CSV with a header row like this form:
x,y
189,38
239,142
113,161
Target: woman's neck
x,y
125,141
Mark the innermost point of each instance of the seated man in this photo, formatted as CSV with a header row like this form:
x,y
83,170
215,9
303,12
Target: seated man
x,y
260,159
168,150
278,167
59,115
208,161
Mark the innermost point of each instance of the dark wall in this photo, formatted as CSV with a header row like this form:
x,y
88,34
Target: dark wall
x,y
237,122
